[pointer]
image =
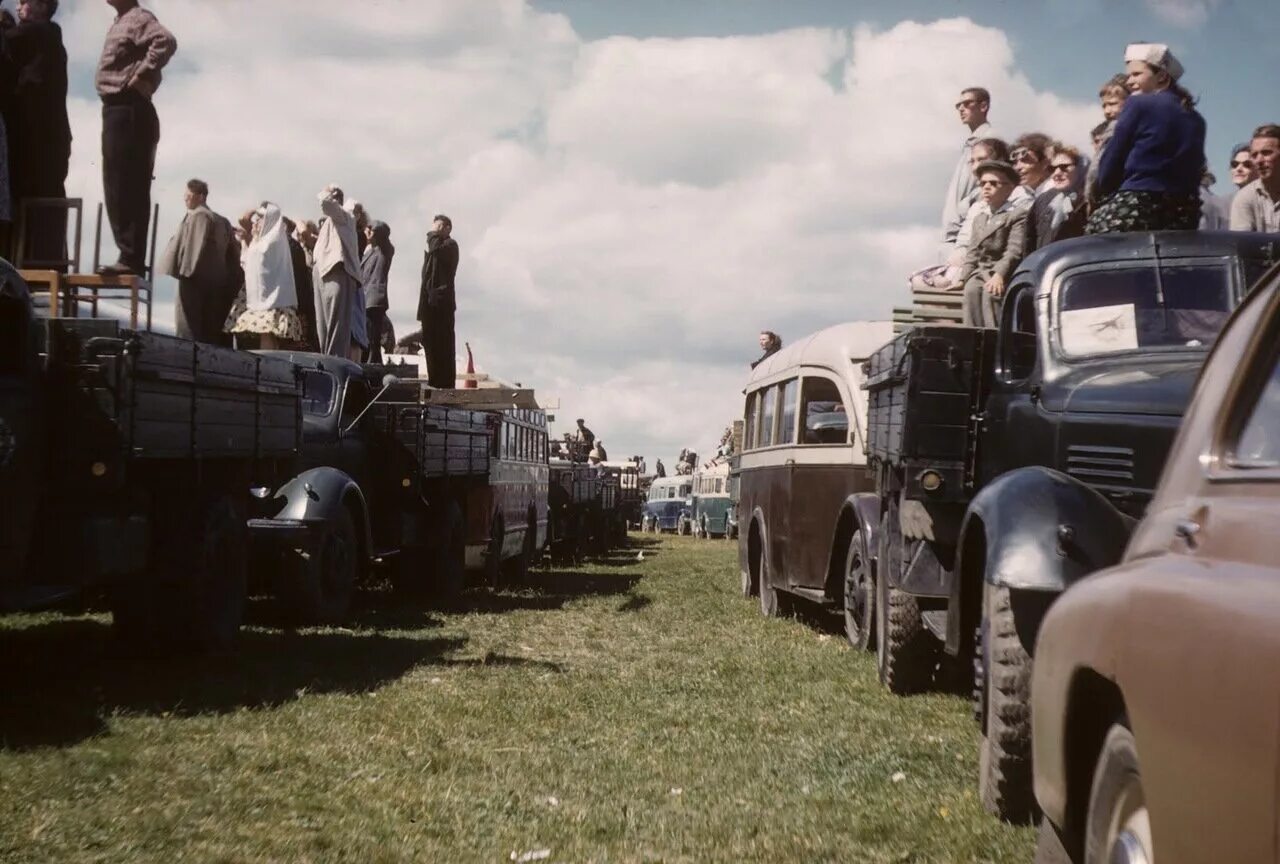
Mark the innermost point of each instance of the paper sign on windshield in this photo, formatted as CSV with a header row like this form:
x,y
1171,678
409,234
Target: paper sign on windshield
x,y
1099,329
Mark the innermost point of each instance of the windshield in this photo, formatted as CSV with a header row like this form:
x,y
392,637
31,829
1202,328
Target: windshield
x,y
318,389
1130,309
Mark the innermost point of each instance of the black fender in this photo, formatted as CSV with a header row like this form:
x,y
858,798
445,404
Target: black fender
x,y
319,494
859,512
1039,530
757,519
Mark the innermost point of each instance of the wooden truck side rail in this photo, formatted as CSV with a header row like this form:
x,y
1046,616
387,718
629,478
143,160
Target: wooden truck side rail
x,y
925,391
445,442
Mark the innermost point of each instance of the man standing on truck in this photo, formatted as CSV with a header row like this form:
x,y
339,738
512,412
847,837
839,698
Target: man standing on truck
x,y
201,256
973,106
995,245
135,51
437,303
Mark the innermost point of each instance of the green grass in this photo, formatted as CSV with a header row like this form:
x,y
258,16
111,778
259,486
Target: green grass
x,y
622,711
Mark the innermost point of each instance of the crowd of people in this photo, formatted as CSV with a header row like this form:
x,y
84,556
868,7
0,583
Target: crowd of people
x,y
266,281
1148,172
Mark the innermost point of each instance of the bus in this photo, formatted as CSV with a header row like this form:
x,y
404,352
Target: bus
x,y
803,459
711,502
668,507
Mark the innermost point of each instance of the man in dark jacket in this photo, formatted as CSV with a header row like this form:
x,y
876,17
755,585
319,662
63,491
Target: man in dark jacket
x,y
437,303
33,59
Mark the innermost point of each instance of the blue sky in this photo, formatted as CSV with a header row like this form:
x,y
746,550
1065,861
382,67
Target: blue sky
x,y
1231,48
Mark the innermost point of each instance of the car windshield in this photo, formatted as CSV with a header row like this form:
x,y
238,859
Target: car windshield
x,y
1136,308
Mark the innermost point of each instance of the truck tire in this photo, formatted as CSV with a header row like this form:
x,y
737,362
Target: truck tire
x,y
449,558
193,595
859,594
320,584
1004,757
1118,818
906,653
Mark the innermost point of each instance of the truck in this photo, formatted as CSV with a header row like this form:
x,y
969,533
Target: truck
x,y
131,463
1011,462
384,479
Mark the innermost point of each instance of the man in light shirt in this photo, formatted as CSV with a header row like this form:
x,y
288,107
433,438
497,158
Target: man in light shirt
x,y
974,104
1256,206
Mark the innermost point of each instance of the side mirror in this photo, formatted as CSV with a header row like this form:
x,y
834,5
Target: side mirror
x,y
388,380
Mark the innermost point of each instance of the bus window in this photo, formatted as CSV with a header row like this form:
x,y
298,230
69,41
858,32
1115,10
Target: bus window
x,y
767,412
506,440
719,485
787,426
749,427
823,412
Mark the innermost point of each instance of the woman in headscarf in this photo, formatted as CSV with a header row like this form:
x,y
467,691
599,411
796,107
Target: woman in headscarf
x,y
270,309
1060,212
374,268
1149,172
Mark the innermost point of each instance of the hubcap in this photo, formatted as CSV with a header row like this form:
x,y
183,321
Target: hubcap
x,y
1131,834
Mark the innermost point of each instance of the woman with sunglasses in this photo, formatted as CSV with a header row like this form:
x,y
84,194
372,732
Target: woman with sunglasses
x,y
1030,156
1149,173
1242,171
1059,213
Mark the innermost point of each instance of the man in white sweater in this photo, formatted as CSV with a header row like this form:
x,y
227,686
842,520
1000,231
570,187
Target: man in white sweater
x,y
336,274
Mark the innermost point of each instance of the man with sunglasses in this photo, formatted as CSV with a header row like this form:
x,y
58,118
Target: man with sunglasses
x,y
996,245
1242,173
972,108
1257,205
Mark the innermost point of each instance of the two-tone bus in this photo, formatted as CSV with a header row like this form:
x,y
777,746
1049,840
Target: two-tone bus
x,y
668,507
711,501
802,461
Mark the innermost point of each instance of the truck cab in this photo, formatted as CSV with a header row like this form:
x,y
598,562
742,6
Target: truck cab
x,y
1012,462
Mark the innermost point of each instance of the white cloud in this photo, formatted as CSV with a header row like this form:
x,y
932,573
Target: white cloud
x,y
1187,14
631,211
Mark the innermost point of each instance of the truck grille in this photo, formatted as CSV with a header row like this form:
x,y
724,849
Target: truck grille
x,y
1100,466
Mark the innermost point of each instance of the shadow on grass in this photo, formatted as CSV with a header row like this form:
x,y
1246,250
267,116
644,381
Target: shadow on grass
x,y
635,603
549,589
62,679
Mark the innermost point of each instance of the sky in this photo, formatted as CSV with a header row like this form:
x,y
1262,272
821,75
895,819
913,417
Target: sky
x,y
638,188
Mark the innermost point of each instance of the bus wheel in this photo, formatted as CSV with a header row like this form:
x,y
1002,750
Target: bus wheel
x,y
859,593
773,603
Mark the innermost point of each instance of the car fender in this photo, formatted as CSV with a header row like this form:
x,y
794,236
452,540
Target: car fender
x,y
1041,531
320,494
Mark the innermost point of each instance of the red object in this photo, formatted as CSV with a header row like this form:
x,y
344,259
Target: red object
x,y
470,383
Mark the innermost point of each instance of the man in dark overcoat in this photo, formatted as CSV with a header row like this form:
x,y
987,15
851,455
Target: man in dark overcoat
x,y
437,303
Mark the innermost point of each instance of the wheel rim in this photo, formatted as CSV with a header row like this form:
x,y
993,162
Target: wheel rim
x,y
1129,831
857,596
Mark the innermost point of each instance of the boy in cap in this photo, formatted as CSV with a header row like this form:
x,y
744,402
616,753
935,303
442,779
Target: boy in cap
x,y
995,246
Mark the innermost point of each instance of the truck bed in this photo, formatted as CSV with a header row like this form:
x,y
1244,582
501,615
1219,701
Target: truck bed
x,y
160,397
924,389
445,442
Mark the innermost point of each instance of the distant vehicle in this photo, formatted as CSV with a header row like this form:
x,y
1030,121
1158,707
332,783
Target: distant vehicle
x,y
129,462
802,465
574,501
630,496
1154,694
711,504
1011,462
668,507
405,473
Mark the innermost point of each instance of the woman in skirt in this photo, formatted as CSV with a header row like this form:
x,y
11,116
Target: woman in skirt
x,y
1149,172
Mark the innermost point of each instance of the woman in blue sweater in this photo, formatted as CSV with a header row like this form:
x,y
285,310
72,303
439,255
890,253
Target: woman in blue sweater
x,y
1149,172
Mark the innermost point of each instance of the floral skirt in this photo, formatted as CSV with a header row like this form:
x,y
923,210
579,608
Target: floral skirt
x,y
282,323
1129,210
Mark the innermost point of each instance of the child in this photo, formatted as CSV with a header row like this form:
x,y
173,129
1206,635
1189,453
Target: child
x,y
1113,95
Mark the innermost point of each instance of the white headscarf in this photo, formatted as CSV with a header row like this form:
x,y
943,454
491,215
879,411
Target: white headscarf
x,y
268,267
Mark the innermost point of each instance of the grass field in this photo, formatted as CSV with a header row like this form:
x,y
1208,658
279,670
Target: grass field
x,y
625,710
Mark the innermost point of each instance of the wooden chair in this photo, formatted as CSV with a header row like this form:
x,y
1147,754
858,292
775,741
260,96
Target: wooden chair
x,y
46,291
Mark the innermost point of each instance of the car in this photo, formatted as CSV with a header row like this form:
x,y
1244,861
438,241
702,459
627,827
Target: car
x,y
1155,698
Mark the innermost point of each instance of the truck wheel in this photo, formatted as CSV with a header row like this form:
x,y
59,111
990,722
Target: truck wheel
x,y
1118,827
859,593
320,583
449,573
1004,757
906,653
493,555
193,595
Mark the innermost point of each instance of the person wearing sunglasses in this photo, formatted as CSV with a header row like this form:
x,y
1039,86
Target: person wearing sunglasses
x,y
1059,213
972,109
996,245
1242,170
1031,160
1257,204
1149,172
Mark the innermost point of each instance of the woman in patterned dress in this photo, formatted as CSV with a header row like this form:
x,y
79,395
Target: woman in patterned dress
x,y
268,307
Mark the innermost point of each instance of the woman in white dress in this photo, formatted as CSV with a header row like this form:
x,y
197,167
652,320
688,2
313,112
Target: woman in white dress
x,y
268,307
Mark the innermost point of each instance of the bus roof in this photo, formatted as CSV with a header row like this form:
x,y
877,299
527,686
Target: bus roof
x,y
832,348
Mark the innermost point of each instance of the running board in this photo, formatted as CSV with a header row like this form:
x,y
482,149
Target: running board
x,y
811,594
936,623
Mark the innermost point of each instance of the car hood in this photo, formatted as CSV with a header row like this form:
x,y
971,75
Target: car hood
x,y
1146,387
